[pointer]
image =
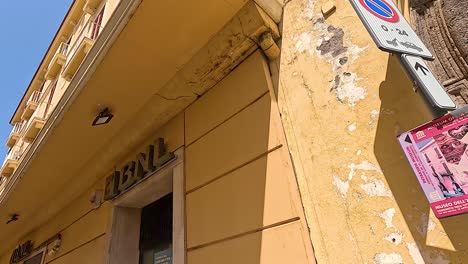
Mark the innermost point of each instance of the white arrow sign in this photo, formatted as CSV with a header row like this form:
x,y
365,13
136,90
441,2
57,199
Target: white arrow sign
x,y
427,82
389,29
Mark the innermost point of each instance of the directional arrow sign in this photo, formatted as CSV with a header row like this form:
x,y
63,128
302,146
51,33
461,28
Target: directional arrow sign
x,y
427,82
389,29
419,67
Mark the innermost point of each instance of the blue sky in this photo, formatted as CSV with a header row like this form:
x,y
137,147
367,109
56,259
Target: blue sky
x,y
27,28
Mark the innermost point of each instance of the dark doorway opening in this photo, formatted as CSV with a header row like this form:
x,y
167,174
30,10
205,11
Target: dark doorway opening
x,y
156,232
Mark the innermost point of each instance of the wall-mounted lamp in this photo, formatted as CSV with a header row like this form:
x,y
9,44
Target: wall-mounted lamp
x,y
13,218
55,245
104,117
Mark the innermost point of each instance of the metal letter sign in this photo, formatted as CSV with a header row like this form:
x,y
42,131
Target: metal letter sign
x,y
428,83
389,29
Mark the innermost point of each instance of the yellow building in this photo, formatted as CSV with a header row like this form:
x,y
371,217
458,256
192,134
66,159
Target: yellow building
x,y
237,131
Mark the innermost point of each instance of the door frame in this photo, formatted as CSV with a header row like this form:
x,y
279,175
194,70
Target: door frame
x,y
125,219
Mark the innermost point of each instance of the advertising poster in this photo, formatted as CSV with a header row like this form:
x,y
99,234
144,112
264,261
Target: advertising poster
x,y
438,154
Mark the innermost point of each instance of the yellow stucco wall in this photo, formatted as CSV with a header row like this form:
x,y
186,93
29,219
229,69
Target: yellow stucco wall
x,y
242,199
82,227
343,102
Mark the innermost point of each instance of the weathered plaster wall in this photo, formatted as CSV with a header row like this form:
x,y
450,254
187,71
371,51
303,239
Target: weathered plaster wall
x,y
343,102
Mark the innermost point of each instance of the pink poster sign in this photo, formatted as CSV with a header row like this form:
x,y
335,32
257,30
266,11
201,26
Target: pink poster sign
x,y
438,154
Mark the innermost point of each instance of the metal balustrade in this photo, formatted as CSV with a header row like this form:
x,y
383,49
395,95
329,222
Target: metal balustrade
x,y
17,128
34,98
91,30
57,61
14,154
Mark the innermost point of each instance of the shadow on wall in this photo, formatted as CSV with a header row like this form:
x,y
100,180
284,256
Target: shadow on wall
x,y
401,110
239,179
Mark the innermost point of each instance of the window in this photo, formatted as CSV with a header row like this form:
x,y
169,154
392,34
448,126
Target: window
x,y
97,24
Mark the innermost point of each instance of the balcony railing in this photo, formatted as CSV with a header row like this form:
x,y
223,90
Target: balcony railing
x,y
34,98
14,134
57,61
14,154
3,181
11,162
61,51
17,128
63,48
90,30
32,127
31,105
82,41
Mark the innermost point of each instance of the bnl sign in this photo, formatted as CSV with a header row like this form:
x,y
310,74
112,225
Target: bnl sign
x,y
388,27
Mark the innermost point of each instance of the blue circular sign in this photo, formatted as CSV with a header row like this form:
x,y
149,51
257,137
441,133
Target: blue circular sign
x,y
381,9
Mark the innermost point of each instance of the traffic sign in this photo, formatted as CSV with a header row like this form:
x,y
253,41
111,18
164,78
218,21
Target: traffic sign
x,y
389,29
427,82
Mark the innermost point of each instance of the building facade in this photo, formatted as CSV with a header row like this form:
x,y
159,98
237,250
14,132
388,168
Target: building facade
x,y
235,131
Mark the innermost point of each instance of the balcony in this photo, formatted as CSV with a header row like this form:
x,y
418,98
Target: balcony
x,y
3,181
57,61
11,162
31,105
33,127
81,46
91,6
14,135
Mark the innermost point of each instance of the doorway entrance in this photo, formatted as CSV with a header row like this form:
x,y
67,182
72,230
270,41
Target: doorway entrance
x,y
148,220
156,232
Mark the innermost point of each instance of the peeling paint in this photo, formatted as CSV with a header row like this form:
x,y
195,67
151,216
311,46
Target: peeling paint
x,y
330,47
414,253
342,186
352,127
374,114
364,165
388,258
348,91
426,226
430,225
387,216
387,111
424,256
395,237
439,259
376,187
303,43
333,43
364,177
324,59
309,10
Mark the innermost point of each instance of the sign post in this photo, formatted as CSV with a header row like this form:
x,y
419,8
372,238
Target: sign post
x,y
427,82
389,29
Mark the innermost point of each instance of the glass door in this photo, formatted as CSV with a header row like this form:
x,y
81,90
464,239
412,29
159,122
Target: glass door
x,y
156,232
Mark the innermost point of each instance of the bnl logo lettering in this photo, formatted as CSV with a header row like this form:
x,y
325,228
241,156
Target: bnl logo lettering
x,y
381,9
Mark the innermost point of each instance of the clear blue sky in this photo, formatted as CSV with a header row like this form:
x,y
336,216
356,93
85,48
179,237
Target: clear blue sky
x,y
27,28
